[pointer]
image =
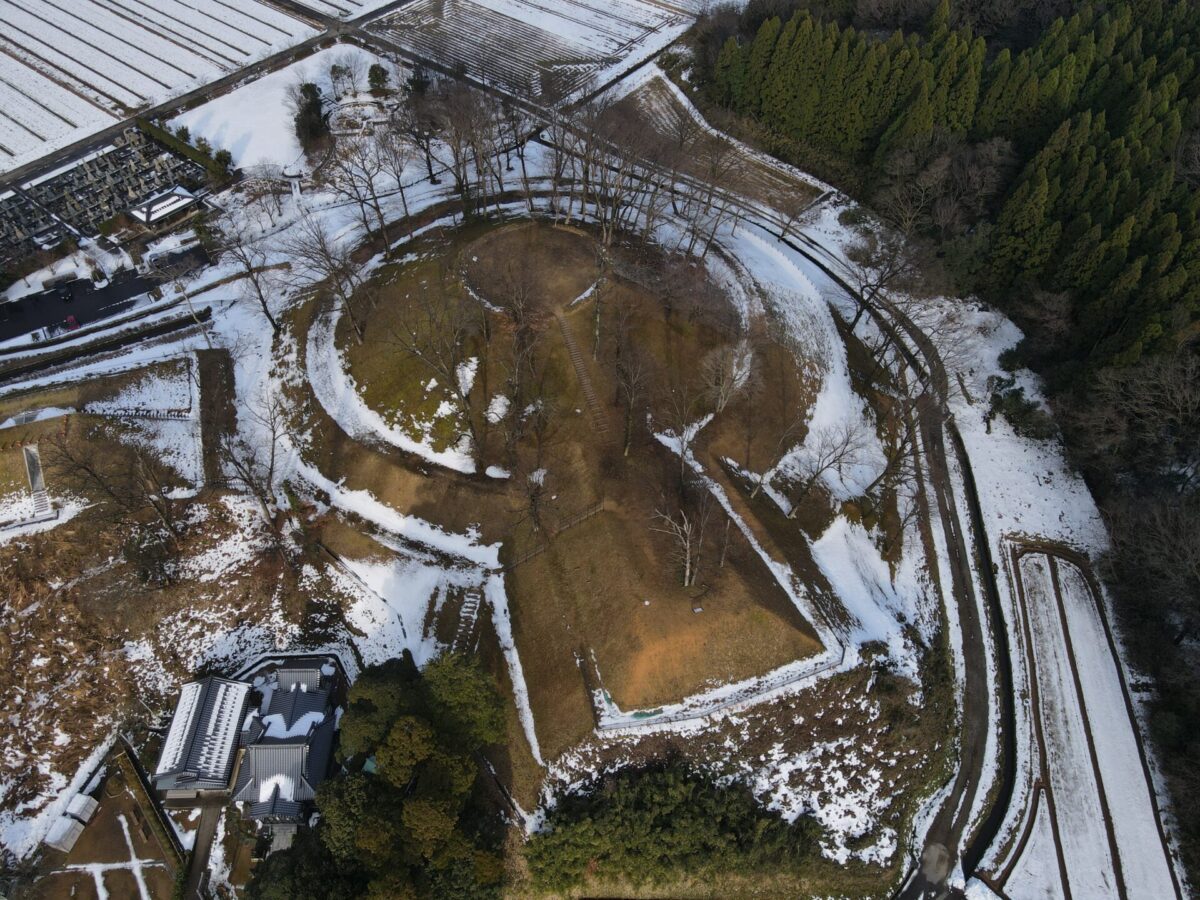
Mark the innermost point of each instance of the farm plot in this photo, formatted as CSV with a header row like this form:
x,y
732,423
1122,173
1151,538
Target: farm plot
x,y
535,48
70,67
344,9
1104,827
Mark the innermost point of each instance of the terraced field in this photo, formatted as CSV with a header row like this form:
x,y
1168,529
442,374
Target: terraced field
x,y
536,49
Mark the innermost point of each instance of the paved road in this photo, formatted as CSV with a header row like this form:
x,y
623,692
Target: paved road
x,y
81,300
76,298
210,812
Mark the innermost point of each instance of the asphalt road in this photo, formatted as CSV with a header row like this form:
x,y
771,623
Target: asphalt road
x,y
79,299
76,298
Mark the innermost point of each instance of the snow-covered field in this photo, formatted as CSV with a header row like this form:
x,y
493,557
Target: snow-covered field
x,y
533,48
344,9
1095,773
254,122
69,67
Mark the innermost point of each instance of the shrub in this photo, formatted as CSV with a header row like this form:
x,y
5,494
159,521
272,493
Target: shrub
x,y
657,824
1027,418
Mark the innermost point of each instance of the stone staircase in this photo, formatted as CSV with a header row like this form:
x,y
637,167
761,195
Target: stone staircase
x,y
467,616
599,419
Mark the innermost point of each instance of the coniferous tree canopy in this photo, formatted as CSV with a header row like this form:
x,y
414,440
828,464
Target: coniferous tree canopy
x,y
310,119
656,824
1095,115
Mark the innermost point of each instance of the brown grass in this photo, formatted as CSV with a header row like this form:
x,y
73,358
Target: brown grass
x,y
657,108
587,593
78,393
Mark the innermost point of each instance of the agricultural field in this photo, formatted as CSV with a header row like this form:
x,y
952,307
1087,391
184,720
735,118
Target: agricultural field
x,y
70,68
535,49
344,9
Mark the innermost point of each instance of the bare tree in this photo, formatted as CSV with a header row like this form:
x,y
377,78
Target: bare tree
x,y
250,253
725,371
786,438
417,120
1148,416
1156,546
396,153
677,410
798,211
129,481
899,441
516,123
346,72
164,270
264,185
328,262
826,450
685,526
633,378
875,262
467,126
356,171
1189,158
252,463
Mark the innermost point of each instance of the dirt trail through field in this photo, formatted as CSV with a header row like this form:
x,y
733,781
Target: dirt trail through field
x,y
595,410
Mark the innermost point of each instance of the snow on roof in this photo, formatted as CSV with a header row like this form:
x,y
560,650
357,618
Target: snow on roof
x,y
278,727
202,738
284,782
64,833
181,726
159,207
82,807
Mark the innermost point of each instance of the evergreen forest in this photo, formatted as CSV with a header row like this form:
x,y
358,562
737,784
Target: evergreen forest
x,y
1045,157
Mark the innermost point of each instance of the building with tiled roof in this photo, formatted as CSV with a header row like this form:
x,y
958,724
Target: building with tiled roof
x,y
200,748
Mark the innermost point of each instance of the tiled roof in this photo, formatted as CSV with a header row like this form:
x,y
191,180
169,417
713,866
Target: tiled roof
x,y
285,771
292,705
200,743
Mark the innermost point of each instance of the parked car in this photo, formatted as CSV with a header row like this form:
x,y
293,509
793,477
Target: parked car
x,y
72,323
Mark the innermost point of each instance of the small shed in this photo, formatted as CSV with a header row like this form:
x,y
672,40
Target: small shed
x,y
82,807
64,833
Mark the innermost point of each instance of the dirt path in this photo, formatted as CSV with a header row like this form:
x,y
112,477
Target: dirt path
x,y
946,840
206,831
217,413
595,410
